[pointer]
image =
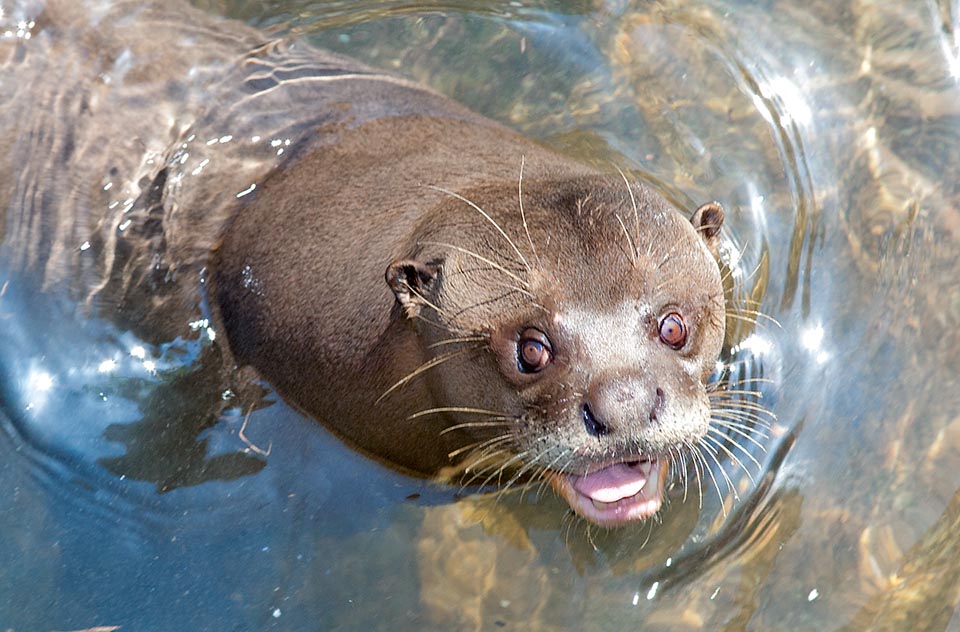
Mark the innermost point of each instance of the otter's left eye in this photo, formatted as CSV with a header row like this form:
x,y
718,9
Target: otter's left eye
x,y
533,351
673,331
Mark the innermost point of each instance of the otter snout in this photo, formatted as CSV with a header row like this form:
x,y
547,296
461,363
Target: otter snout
x,y
621,405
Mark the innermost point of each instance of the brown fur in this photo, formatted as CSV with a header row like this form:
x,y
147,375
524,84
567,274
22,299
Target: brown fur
x,y
393,254
299,280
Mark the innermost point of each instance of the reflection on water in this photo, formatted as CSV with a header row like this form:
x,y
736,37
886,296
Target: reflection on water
x,y
146,486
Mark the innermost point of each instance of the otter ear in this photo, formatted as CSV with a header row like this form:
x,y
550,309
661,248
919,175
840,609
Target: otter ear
x,y
412,281
707,220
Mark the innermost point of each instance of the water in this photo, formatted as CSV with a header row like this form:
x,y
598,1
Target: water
x,y
146,487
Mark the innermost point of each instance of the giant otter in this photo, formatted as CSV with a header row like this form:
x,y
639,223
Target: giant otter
x,y
443,293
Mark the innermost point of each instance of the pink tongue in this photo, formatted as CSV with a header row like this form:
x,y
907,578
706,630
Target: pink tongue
x,y
611,483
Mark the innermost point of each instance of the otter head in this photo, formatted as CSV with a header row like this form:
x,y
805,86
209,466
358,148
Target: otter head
x,y
575,334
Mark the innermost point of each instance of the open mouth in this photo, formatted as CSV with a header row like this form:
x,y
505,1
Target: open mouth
x,y
617,493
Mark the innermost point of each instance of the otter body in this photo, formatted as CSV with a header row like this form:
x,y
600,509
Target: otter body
x,y
441,292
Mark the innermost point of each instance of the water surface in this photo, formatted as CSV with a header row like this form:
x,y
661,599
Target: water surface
x,y
147,487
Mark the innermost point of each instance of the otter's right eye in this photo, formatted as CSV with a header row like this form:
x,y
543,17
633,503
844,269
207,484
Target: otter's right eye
x,y
533,351
673,331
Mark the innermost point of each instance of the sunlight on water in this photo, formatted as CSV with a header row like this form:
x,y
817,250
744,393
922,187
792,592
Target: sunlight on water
x,y
38,387
142,470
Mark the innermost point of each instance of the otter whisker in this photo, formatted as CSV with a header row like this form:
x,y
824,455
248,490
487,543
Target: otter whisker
x,y
536,473
459,340
752,317
480,257
729,270
738,397
542,478
741,419
543,470
750,421
739,410
488,301
738,313
649,531
523,216
485,216
513,289
503,467
749,301
750,310
432,323
668,255
677,466
716,459
519,474
426,301
550,467
491,455
426,366
488,455
740,429
749,411
763,262
530,470
696,468
567,522
480,451
480,445
461,270
748,306
527,464
456,409
706,467
713,436
727,390
482,423
747,380
685,468
626,233
477,472
589,534
665,282
531,463
737,404
633,203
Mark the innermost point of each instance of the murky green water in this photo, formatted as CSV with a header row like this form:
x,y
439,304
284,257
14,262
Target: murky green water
x,y
135,491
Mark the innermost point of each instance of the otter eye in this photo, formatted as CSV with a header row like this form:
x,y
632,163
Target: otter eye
x,y
533,351
673,331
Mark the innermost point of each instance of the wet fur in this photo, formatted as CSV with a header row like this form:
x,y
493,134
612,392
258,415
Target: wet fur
x,y
478,231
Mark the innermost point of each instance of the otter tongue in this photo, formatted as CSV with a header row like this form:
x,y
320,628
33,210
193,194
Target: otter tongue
x,y
613,483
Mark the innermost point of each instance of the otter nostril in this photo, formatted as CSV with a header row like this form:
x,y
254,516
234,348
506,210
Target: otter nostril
x,y
657,405
595,427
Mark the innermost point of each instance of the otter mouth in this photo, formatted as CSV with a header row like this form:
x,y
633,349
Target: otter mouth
x,y
615,494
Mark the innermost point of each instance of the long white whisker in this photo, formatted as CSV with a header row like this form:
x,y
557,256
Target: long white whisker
x,y
523,216
481,258
487,217
426,366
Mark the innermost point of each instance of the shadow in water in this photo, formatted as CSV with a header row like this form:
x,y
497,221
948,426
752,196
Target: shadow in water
x,y
166,446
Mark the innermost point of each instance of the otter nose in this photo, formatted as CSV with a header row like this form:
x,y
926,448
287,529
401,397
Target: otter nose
x,y
595,427
613,405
